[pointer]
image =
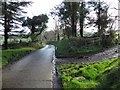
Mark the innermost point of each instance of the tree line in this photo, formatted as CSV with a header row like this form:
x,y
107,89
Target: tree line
x,y
75,17
12,18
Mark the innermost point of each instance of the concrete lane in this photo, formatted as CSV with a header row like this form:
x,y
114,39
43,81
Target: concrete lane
x,y
32,71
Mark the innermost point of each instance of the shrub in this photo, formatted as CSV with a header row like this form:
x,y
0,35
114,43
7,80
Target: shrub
x,y
109,40
74,46
36,45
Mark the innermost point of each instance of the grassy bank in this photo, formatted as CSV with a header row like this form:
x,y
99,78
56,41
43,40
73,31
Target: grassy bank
x,y
71,47
104,74
17,51
11,55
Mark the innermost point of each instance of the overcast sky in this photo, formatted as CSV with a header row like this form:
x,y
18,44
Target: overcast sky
x,y
45,6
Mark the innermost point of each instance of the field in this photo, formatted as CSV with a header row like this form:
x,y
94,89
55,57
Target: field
x,y
97,75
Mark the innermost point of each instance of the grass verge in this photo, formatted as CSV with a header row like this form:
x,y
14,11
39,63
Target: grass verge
x,y
17,51
103,74
11,55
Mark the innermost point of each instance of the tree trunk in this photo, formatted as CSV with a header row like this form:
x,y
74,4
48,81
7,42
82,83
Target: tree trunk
x,y
73,19
33,29
5,30
99,12
81,19
33,33
58,37
81,30
5,38
73,27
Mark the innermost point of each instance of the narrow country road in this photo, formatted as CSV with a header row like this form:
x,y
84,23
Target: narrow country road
x,y
32,71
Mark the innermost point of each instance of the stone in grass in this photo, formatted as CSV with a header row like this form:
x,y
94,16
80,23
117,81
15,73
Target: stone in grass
x,y
80,78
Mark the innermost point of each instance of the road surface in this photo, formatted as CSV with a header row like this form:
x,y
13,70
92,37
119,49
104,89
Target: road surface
x,y
32,71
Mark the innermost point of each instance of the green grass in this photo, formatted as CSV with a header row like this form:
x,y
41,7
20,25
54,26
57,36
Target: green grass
x,y
13,54
73,46
17,51
97,75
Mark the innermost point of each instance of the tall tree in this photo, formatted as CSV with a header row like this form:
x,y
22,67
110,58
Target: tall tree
x,y
74,9
36,25
101,10
83,11
67,13
11,17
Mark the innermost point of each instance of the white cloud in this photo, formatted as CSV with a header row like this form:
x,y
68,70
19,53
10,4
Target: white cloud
x,y
42,6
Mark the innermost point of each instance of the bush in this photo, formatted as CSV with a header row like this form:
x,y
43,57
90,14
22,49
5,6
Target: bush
x,y
75,46
107,41
36,45
110,39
